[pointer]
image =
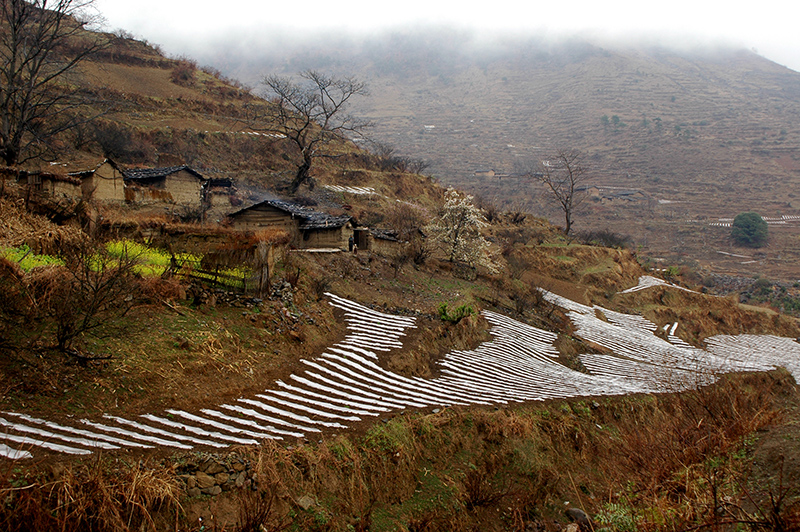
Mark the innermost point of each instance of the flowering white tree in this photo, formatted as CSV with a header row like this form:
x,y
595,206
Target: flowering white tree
x,y
458,231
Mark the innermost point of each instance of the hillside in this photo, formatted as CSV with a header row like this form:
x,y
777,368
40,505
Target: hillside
x,y
148,110
161,373
702,134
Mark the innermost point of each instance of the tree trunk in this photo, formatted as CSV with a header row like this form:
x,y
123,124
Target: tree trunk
x,y
302,175
9,155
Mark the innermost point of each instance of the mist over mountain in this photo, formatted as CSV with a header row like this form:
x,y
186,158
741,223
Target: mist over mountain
x,y
701,131
536,93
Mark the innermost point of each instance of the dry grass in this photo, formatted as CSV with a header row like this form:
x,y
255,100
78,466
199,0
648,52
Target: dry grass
x,y
702,316
695,425
17,227
96,496
654,462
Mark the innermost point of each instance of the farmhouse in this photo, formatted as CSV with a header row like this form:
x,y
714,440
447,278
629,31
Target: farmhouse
x,y
308,228
179,185
483,172
591,191
614,195
385,242
104,182
51,184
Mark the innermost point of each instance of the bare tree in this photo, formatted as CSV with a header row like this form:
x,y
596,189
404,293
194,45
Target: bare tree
x,y
86,296
563,174
98,290
311,114
389,160
41,41
416,165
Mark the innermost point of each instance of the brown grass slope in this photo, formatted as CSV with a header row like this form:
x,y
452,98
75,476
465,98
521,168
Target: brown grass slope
x,y
149,110
712,131
650,463
460,469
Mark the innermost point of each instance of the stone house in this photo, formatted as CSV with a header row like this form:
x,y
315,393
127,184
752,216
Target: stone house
x,y
386,242
591,191
51,184
178,185
307,228
104,182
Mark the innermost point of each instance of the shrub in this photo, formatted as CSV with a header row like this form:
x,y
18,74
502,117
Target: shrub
x,y
320,286
749,229
479,488
258,513
192,213
399,259
387,160
16,310
605,238
82,294
122,143
516,216
523,296
96,290
518,264
184,72
618,516
419,250
762,286
460,312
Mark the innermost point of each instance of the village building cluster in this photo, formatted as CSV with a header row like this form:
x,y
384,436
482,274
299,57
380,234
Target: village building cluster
x,y
182,187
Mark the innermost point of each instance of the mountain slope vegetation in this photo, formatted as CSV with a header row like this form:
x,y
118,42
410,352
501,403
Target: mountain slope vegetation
x,y
645,461
699,134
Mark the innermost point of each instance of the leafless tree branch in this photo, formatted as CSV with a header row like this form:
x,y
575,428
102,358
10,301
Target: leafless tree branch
x,y
563,174
41,42
311,114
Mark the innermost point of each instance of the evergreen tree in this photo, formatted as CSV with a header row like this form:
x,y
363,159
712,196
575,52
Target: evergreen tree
x,y
749,229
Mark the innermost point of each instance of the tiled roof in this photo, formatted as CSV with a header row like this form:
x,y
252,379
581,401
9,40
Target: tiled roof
x,y
288,207
384,234
310,219
80,174
143,174
321,220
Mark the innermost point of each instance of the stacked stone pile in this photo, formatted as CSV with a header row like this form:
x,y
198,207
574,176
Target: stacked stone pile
x,y
211,475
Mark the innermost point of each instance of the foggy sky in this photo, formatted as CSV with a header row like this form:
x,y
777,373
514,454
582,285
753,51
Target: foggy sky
x,y
202,28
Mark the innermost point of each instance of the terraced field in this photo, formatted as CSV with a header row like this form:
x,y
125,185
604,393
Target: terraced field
x,y
704,134
346,383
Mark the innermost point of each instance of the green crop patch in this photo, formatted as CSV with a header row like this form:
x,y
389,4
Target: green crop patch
x,y
28,260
